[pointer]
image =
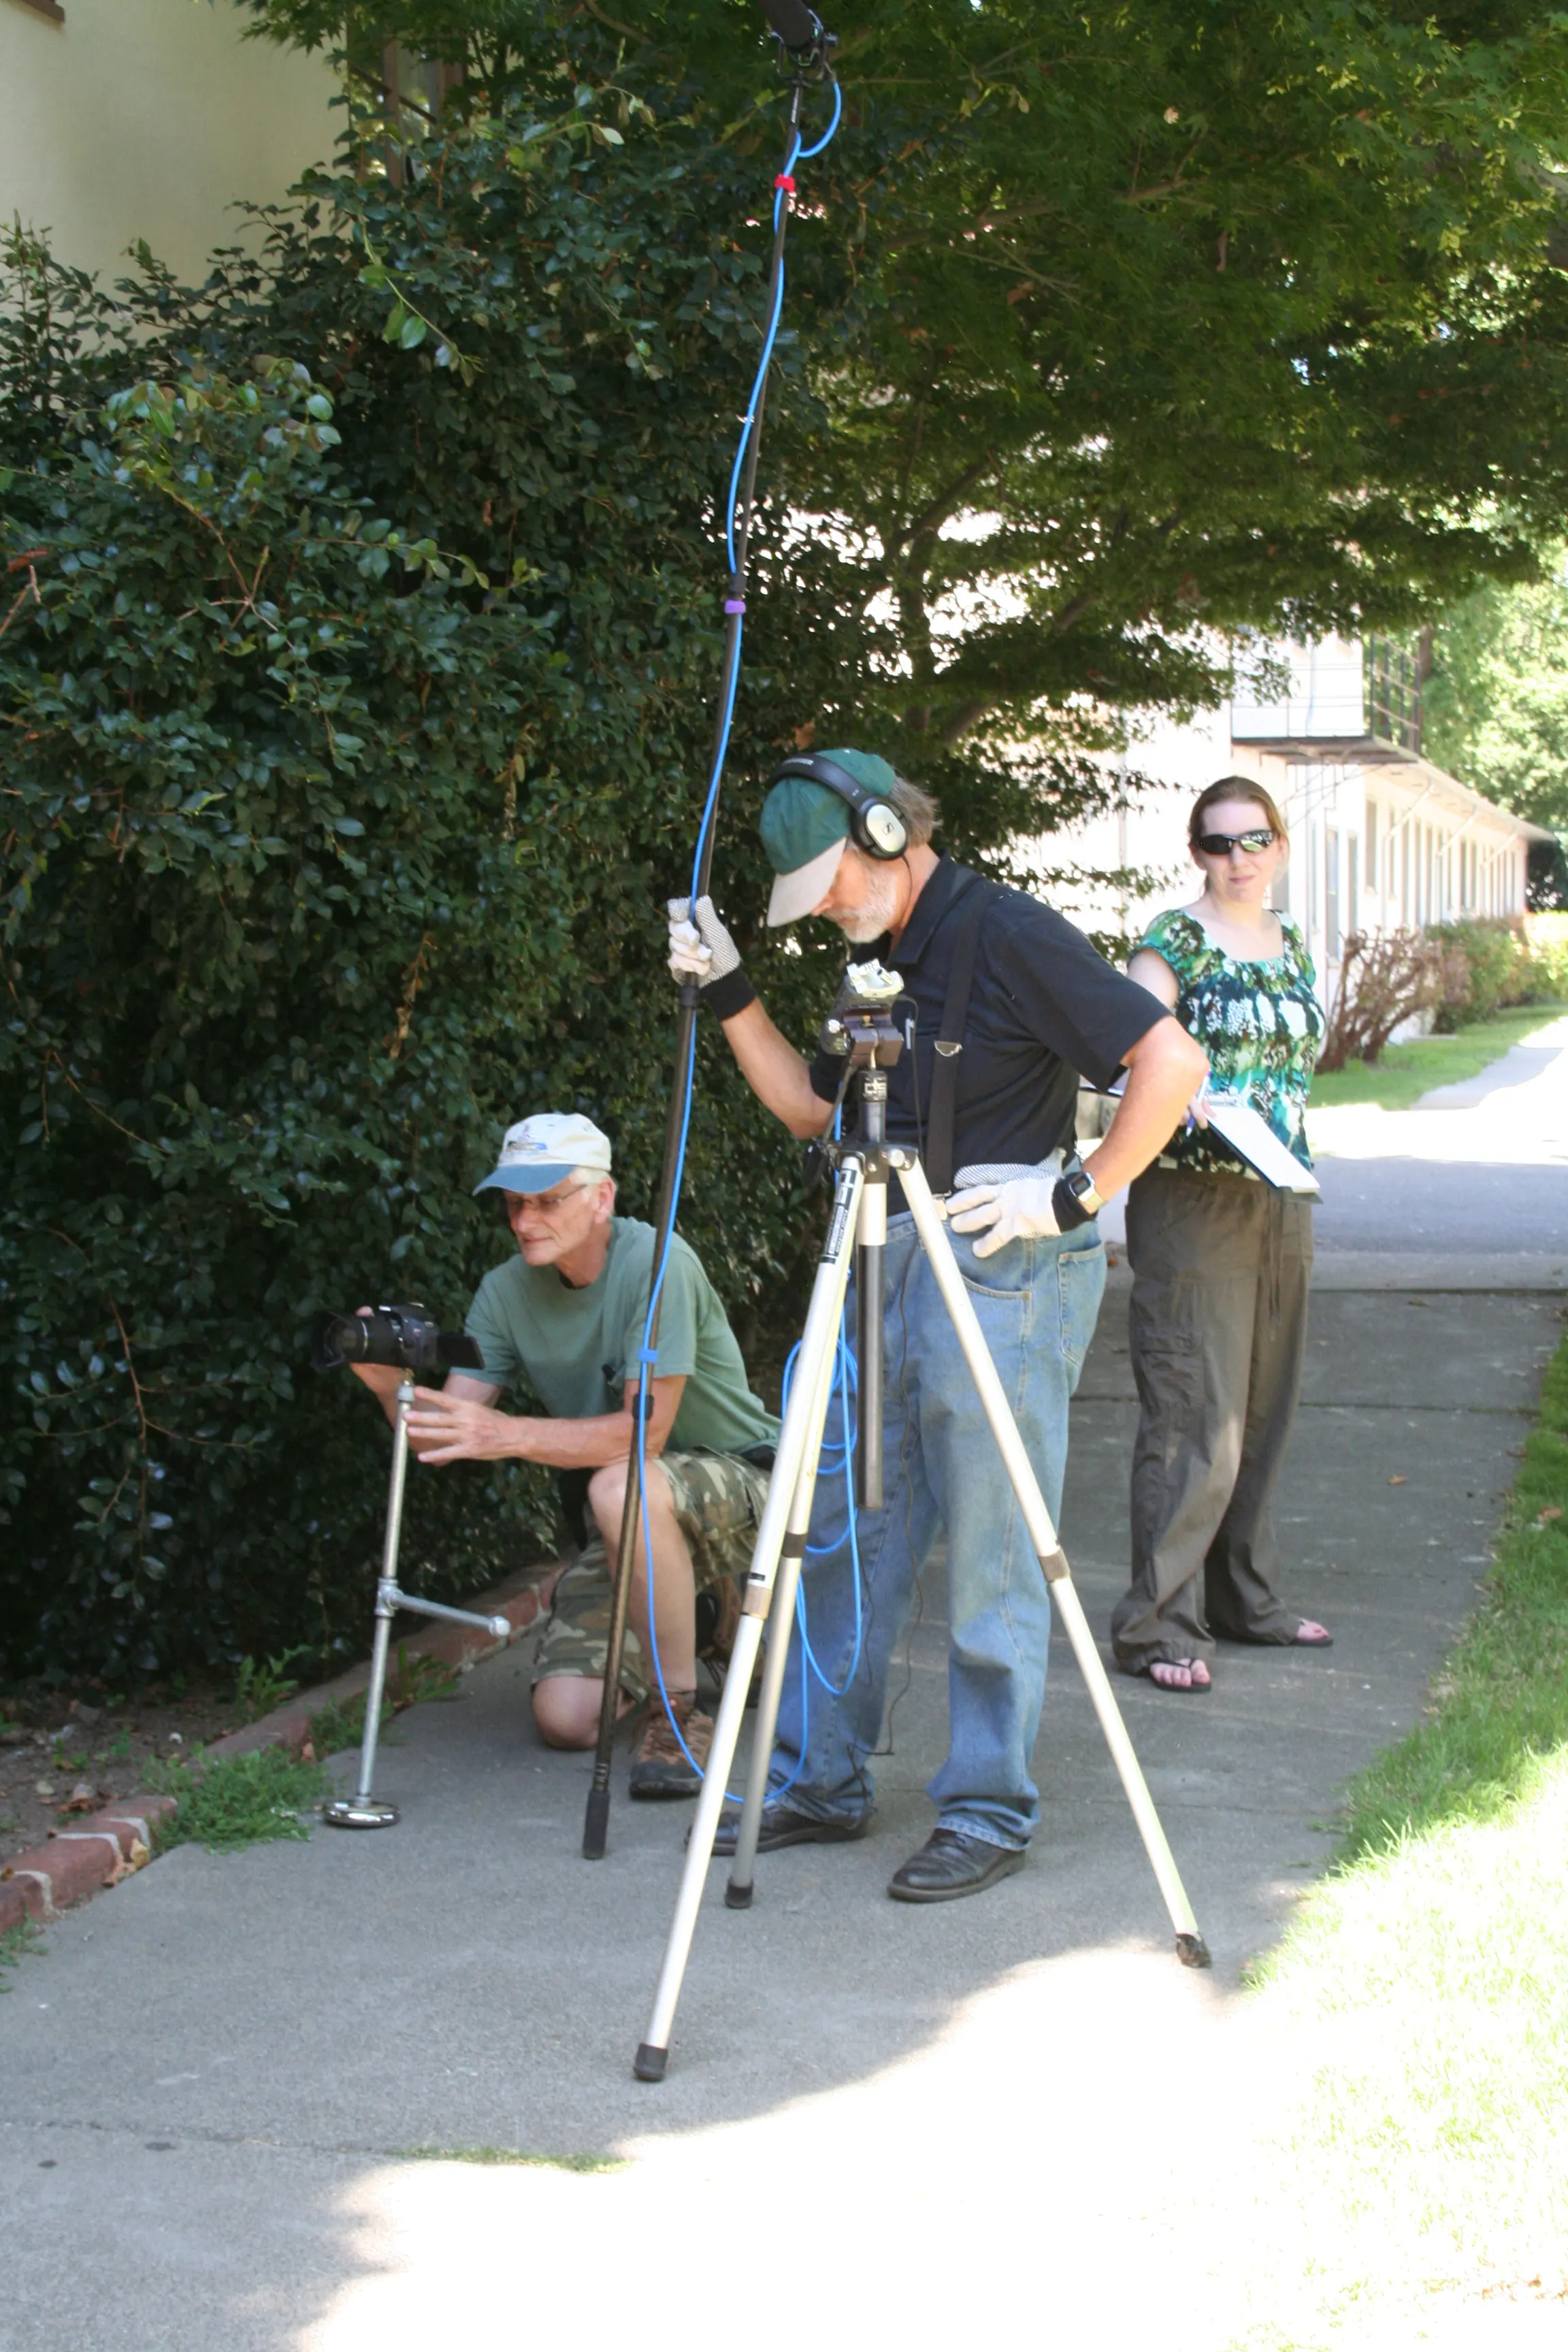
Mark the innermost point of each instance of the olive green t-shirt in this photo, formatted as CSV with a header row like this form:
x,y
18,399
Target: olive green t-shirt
x,y
577,1348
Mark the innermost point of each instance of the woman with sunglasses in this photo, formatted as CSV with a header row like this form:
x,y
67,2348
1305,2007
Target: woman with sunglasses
x,y
1221,1263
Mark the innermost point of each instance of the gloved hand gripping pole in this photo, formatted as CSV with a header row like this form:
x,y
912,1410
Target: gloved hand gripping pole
x,y
799,32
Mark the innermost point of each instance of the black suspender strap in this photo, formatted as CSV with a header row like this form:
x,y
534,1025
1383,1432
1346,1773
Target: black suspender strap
x,y
939,1150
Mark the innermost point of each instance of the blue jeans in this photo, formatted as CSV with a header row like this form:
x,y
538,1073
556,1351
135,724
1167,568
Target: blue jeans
x,y
1036,1301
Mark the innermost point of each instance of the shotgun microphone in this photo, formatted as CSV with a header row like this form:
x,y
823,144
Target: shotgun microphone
x,y
797,26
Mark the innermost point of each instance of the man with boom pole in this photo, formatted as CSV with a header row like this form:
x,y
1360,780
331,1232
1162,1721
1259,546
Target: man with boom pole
x,y
1003,1003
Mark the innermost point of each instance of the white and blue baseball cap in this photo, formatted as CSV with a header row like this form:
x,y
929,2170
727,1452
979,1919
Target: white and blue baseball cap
x,y
541,1151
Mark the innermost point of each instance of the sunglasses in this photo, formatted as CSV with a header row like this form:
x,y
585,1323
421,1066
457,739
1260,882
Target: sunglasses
x,y
1220,844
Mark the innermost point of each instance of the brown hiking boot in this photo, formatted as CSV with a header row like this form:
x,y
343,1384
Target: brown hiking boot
x,y
659,1767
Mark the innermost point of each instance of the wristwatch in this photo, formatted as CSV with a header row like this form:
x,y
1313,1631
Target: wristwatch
x,y
1074,1200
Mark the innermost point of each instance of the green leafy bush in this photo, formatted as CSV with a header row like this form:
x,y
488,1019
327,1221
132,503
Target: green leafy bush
x,y
1502,962
1547,935
356,718
1490,969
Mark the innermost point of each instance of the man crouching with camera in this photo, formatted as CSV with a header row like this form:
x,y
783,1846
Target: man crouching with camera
x,y
566,1317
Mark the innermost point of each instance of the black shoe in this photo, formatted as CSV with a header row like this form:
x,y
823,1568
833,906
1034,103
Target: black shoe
x,y
950,1864
782,1825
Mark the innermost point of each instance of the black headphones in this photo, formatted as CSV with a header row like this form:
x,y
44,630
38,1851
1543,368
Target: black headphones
x,y
876,825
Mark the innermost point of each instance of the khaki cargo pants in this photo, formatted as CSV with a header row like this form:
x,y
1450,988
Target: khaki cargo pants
x,y
719,1501
1217,1322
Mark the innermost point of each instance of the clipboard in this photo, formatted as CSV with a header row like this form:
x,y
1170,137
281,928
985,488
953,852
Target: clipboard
x,y
1250,1136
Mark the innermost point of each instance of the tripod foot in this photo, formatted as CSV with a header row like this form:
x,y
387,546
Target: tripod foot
x,y
651,2062
738,1897
1193,1952
596,1826
356,1813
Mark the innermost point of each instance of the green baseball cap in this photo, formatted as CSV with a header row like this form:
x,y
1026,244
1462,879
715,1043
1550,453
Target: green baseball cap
x,y
805,827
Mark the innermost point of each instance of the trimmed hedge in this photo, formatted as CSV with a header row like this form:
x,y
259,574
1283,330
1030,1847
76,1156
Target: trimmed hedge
x,y
1520,961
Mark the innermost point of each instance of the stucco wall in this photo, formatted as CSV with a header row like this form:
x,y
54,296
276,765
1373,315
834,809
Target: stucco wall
x,y
144,118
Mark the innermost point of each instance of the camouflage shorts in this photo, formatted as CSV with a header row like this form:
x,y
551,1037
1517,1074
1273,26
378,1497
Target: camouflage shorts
x,y
719,1501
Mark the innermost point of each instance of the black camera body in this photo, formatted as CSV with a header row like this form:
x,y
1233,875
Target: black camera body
x,y
408,1337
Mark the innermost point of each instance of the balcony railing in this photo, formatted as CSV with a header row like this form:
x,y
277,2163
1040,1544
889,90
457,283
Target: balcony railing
x,y
1393,691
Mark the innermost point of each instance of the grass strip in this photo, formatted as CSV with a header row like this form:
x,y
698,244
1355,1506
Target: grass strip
x,y
225,1802
1403,1074
1415,2162
1501,1702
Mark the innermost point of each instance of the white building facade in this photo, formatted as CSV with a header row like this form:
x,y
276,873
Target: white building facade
x,y
122,119
1381,839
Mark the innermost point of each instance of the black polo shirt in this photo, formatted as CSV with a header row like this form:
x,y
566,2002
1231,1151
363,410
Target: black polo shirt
x,y
1044,1005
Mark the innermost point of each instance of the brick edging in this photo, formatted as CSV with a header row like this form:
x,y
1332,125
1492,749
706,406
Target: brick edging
x,y
105,1847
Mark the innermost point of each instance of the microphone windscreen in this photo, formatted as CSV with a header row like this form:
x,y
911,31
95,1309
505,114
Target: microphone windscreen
x,y
795,24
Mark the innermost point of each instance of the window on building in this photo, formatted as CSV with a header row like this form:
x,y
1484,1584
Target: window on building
x,y
1313,882
1352,882
1372,844
1332,895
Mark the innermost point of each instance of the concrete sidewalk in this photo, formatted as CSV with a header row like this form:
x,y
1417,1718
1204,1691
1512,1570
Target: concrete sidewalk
x,y
216,2086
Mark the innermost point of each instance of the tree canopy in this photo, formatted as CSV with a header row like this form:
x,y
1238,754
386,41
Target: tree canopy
x,y
1495,707
1164,320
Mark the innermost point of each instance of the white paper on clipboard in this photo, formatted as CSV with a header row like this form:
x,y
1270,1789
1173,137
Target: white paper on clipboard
x,y
1250,1135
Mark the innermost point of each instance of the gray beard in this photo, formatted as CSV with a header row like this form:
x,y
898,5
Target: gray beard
x,y
875,913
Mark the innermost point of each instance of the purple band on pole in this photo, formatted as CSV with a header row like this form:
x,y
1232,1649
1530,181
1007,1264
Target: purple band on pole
x,y
734,604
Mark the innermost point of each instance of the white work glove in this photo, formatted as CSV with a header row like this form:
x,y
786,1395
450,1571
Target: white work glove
x,y
701,950
1020,1208
704,951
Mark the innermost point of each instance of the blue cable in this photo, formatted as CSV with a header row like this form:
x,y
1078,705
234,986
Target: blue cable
x,y
648,1355
843,1378
806,153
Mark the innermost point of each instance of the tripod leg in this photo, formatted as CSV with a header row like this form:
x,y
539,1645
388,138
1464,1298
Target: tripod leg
x,y
817,1343
738,1893
597,1817
361,1811
1191,1950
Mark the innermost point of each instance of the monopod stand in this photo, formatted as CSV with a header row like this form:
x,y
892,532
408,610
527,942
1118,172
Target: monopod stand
x,y
799,31
862,1169
361,1812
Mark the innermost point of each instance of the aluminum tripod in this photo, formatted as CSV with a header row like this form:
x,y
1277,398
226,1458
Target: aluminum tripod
x,y
859,1212
361,1812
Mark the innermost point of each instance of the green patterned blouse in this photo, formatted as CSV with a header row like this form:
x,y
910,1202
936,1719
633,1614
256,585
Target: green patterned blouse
x,y
1260,1025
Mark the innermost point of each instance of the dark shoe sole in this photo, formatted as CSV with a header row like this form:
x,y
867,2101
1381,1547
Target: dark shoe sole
x,y
801,1833
1007,1862
664,1792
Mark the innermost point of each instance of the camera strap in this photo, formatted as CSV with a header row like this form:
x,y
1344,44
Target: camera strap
x,y
970,905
